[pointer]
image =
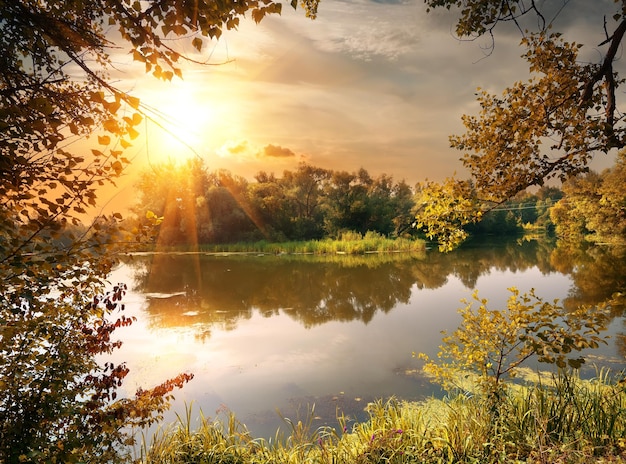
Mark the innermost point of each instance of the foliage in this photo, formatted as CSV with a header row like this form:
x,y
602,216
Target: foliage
x,y
551,125
563,419
504,146
310,203
444,209
481,16
60,403
56,403
493,344
594,208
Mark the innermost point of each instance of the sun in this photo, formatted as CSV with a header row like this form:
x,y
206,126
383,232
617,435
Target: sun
x,y
182,123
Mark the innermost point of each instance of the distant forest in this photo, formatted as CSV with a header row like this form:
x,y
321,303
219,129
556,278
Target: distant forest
x,y
310,203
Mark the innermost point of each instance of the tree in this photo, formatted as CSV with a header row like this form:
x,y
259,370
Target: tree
x,y
389,205
344,201
303,190
443,211
594,206
57,404
230,217
552,125
569,218
175,192
356,202
269,202
493,344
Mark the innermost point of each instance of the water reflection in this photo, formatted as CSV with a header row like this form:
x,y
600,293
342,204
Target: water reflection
x,y
283,332
598,273
209,290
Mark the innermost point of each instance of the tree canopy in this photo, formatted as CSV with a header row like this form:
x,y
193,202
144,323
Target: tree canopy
x,y
202,207
553,124
594,207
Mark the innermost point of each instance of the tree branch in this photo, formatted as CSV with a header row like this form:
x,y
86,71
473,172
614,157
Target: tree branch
x,y
606,71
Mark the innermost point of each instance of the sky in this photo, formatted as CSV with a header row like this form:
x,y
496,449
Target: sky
x,y
374,84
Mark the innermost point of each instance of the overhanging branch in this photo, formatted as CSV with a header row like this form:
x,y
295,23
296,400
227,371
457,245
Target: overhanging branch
x,y
605,71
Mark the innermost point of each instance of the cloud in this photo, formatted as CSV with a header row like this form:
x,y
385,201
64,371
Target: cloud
x,y
232,148
367,30
276,151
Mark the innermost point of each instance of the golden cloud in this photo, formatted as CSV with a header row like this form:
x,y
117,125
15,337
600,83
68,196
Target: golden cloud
x,y
276,151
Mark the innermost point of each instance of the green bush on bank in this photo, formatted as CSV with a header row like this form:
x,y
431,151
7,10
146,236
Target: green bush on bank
x,y
352,243
565,419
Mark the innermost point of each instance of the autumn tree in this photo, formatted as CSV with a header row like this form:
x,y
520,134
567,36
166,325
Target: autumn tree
x,y
445,209
493,344
57,404
594,206
549,126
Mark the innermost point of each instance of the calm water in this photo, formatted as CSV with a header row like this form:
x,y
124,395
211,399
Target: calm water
x,y
264,334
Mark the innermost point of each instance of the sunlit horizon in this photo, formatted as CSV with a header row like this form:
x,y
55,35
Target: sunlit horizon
x,y
331,92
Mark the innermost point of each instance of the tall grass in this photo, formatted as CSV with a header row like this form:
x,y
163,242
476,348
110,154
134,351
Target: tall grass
x,y
586,418
562,420
348,243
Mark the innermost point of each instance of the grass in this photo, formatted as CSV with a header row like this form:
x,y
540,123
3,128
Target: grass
x,y
563,420
350,243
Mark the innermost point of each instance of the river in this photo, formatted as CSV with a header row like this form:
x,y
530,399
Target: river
x,y
269,335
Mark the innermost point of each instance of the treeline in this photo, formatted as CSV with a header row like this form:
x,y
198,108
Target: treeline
x,y
590,207
593,208
526,210
310,203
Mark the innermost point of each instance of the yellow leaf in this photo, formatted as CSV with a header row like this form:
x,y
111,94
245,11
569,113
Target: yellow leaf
x,y
110,125
104,139
112,107
133,101
132,133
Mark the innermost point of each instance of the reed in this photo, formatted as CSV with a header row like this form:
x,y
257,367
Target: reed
x,y
348,243
562,420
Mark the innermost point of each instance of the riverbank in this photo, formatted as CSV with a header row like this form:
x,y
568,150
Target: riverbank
x,y
559,419
351,243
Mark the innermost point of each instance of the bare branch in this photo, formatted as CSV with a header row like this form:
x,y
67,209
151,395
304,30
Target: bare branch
x,y
607,64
